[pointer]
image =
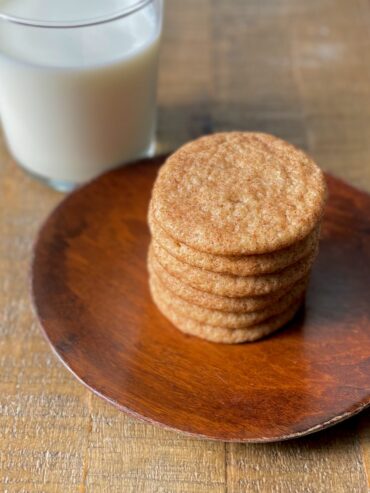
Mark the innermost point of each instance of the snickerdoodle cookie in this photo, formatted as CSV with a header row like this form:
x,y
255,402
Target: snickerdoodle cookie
x,y
239,193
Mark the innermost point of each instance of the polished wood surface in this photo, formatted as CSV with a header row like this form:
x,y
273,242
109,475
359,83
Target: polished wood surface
x,y
297,69
90,292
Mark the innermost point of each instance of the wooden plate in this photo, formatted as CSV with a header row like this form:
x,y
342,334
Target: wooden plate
x,y
90,291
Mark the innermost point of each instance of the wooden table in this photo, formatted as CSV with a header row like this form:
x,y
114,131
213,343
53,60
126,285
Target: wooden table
x,y
295,68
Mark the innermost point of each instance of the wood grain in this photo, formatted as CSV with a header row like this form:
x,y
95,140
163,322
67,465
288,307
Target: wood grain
x,y
297,69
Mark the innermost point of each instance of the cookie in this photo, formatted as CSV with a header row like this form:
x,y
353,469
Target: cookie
x,y
239,193
214,301
221,334
230,285
218,318
240,265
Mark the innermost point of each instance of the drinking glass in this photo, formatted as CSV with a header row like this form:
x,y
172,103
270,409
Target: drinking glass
x,y
78,84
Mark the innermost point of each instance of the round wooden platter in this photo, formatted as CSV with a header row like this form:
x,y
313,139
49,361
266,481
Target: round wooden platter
x,y
90,291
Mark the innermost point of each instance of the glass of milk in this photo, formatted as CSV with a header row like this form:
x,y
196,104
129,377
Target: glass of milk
x,y
78,84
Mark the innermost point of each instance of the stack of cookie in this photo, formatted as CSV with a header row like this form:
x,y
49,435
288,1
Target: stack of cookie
x,y
235,222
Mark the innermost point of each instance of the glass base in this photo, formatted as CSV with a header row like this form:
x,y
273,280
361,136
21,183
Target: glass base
x,y
66,186
58,185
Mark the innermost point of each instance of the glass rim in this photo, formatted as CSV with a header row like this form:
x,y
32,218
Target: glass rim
x,y
93,21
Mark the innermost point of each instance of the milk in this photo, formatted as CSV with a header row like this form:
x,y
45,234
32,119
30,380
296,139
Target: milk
x,y
75,102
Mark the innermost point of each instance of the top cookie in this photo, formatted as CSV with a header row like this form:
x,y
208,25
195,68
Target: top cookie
x,y
239,193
